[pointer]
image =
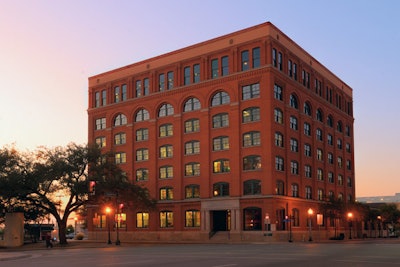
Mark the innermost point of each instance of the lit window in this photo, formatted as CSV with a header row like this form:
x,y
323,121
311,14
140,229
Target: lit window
x,y
166,193
192,125
142,134
101,141
120,157
192,169
142,154
221,166
166,172
251,114
142,175
166,130
120,139
192,191
221,189
166,151
192,218
166,219
142,220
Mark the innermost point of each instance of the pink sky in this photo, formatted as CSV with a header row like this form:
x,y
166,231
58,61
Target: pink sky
x,y
48,49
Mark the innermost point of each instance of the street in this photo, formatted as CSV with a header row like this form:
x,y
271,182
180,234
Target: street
x,y
357,253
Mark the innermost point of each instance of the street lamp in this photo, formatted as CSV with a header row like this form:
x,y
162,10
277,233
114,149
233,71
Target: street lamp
x,y
310,213
108,211
350,217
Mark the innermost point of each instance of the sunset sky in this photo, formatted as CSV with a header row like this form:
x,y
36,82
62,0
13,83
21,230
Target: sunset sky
x,y
49,48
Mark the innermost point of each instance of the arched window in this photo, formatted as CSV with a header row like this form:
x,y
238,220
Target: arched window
x,y
142,115
252,219
220,98
319,115
120,119
307,109
166,110
339,127
308,192
294,102
279,139
329,121
252,187
191,104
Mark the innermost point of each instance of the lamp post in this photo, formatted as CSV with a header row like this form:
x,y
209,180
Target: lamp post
x,y
76,220
290,227
310,213
379,225
350,217
108,210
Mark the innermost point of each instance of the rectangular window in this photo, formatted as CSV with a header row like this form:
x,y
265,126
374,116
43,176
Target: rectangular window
x,y
103,97
290,69
166,219
146,86
245,60
120,158
142,154
161,82
274,62
192,218
280,61
166,130
196,73
220,120
192,126
124,92
138,88
225,65
117,94
170,77
166,172
186,75
214,68
142,134
100,123
142,220
256,57
101,141
251,91
97,100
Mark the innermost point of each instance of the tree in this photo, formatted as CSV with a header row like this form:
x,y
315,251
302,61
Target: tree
x,y
38,180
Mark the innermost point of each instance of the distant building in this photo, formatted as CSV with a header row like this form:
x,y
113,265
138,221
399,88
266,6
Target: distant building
x,y
380,199
237,134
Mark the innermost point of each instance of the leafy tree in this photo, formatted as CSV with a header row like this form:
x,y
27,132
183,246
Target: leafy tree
x,y
35,181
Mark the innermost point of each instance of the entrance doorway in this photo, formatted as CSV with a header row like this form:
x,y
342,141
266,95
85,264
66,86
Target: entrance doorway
x,y
220,220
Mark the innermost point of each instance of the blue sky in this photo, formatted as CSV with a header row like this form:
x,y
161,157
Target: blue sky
x,y
49,48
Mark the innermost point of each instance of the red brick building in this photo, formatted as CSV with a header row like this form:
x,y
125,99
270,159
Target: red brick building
x,y
232,135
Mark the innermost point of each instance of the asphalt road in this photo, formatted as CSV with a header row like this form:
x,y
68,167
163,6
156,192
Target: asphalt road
x,y
355,253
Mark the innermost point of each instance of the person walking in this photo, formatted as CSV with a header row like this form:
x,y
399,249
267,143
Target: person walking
x,y
48,241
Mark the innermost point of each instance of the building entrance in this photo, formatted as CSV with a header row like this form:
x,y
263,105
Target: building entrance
x,y
220,220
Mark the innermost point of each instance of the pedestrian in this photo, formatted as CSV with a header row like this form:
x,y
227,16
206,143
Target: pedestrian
x,y
48,241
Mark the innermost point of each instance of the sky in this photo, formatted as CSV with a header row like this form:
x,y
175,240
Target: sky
x,y
49,48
